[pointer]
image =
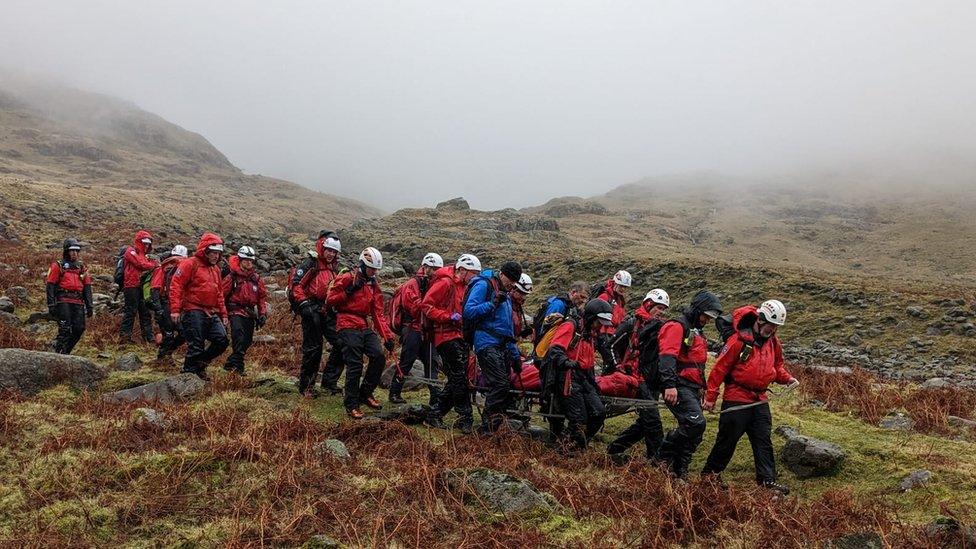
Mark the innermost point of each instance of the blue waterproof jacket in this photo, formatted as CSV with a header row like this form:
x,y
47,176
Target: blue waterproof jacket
x,y
495,325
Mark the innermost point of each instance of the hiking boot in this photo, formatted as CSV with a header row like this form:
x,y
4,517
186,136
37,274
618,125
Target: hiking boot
x,y
355,413
434,422
373,403
781,489
199,373
396,399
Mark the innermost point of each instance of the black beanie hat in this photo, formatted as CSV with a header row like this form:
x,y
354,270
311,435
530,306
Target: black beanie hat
x,y
512,270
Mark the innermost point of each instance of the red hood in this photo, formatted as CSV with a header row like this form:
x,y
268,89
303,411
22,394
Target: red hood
x,y
235,266
611,289
742,320
137,244
642,314
206,240
420,273
443,272
320,253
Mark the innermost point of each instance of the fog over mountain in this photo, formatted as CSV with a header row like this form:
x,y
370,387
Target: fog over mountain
x,y
512,103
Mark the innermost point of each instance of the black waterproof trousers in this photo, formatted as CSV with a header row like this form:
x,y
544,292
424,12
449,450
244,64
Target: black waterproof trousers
x,y
198,329
647,427
455,394
679,444
360,384
414,346
71,325
757,423
241,336
134,303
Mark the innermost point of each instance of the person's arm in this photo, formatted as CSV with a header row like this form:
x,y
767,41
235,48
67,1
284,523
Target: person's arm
x,y
300,279
337,293
669,345
478,306
561,341
379,319
86,293
724,364
434,297
139,261
223,305
783,377
262,298
411,299
176,285
51,286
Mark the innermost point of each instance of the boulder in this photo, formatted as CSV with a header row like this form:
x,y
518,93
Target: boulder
x,y
914,480
18,292
960,422
897,421
129,362
321,541
453,204
808,457
264,339
150,417
39,316
936,383
6,306
279,295
408,385
916,312
947,532
30,372
9,319
499,492
332,447
165,390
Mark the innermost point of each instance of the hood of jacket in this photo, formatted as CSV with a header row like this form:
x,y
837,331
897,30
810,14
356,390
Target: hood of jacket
x,y
137,242
206,240
235,266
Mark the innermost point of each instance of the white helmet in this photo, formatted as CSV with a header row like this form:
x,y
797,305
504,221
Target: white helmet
x,y
773,311
433,260
247,252
658,296
332,244
622,278
524,284
146,240
468,262
180,251
371,257
219,247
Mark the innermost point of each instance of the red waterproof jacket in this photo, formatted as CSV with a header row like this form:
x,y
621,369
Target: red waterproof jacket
x,y
618,384
632,354
244,291
443,299
196,285
691,358
70,281
617,301
746,380
161,274
412,301
136,261
353,311
583,353
315,285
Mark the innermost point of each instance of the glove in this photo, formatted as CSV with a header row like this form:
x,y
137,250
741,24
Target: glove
x,y
89,312
355,286
456,317
389,344
262,320
499,298
793,384
306,308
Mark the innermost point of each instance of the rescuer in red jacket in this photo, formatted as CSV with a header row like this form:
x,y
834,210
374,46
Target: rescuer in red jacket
x,y
135,264
414,337
69,296
357,299
196,299
310,285
751,359
159,293
247,305
614,293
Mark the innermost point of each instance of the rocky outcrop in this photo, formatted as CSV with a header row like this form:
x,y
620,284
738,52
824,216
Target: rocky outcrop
x,y
808,457
167,390
29,372
498,492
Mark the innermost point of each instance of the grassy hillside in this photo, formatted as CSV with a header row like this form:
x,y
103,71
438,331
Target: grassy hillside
x,y
72,159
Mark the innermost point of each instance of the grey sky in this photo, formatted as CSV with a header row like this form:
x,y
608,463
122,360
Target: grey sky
x,y
511,103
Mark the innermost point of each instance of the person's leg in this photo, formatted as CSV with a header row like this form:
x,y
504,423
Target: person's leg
x,y
410,343
193,331
373,349
351,343
731,426
335,364
431,360
596,412
495,371
574,408
170,334
130,299
759,430
64,328
627,438
216,334
650,420
691,426
311,351
145,319
77,312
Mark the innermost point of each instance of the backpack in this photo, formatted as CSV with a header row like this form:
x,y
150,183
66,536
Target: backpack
x,y
597,289
621,338
539,319
468,326
119,276
542,348
399,316
296,276
724,326
145,283
647,345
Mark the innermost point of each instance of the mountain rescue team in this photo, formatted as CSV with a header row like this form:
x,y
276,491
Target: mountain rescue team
x,y
442,316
